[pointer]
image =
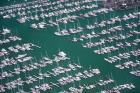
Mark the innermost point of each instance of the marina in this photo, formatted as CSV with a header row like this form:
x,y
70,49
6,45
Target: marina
x,y
69,46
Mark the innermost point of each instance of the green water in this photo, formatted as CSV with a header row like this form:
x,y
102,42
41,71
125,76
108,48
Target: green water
x,y
52,44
